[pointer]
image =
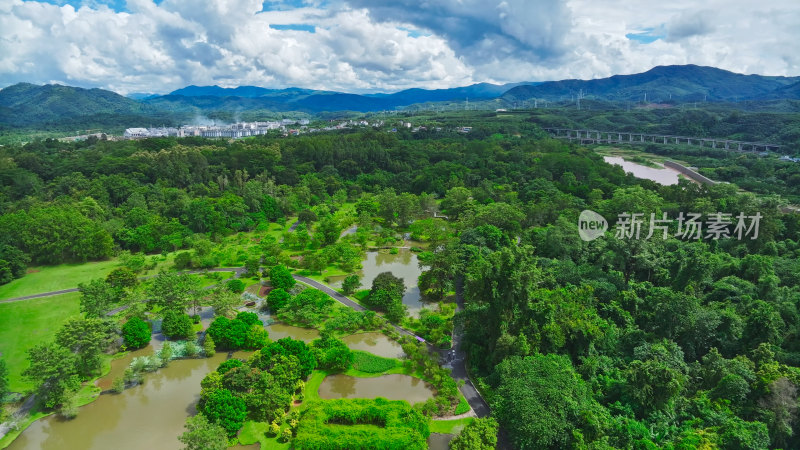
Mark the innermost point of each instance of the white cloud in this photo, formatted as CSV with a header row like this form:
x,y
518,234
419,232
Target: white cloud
x,y
361,45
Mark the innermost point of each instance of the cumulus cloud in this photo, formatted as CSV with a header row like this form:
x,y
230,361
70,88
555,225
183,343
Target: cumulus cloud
x,y
381,45
688,24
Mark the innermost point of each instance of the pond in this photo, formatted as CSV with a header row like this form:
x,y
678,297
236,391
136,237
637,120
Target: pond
x,y
279,330
404,265
375,343
392,387
663,175
150,415
438,441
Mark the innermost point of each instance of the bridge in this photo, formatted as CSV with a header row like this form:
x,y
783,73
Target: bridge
x,y
626,137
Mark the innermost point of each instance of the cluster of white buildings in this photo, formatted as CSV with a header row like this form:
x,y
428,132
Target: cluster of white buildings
x,y
236,130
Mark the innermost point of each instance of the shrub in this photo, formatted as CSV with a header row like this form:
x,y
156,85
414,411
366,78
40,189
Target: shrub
x,y
121,277
118,385
236,286
177,325
191,349
136,333
244,332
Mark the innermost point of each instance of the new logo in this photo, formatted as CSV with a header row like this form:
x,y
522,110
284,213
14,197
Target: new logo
x,y
591,225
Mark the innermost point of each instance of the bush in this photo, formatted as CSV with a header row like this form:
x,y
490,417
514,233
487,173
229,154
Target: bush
x,y
118,385
122,277
236,286
136,333
367,362
177,325
191,349
183,260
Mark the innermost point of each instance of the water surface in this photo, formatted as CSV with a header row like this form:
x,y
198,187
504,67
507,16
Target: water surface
x,y
375,343
279,330
148,416
438,441
404,265
391,387
664,176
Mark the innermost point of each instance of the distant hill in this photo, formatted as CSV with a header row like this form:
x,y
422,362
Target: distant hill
x,y
316,101
26,104
662,83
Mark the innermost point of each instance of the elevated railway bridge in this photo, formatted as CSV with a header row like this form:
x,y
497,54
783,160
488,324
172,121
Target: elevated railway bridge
x,y
626,137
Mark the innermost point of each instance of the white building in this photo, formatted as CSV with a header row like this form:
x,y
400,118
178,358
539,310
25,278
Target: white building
x,y
133,133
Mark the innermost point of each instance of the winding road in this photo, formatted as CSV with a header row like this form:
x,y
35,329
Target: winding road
x,y
455,359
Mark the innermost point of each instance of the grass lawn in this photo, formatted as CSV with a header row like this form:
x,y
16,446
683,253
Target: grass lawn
x,y
367,362
255,432
55,278
449,426
26,323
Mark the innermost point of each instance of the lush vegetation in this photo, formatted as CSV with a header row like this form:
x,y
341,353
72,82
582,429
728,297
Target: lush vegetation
x,y
659,343
379,423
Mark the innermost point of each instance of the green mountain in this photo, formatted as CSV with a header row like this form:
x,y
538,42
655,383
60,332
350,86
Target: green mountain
x,y
687,83
26,104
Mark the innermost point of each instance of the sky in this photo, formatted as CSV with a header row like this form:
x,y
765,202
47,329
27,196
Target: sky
x,y
383,45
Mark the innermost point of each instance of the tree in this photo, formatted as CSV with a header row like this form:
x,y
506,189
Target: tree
x,y
252,266
97,297
281,278
87,339
201,434
480,434
350,284
121,277
332,354
541,401
226,410
277,299
291,347
224,301
13,263
52,371
3,380
174,290
165,354
209,347
177,325
393,285
136,333
328,231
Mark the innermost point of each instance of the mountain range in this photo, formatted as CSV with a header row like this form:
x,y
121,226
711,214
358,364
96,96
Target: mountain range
x,y
28,105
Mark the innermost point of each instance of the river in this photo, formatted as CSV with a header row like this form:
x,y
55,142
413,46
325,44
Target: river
x,y
664,176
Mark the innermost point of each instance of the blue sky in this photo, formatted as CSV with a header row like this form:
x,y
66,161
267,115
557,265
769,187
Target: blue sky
x,y
382,45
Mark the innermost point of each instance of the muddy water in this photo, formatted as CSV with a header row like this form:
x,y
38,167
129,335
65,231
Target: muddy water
x,y
437,441
404,265
663,176
392,387
375,343
278,330
149,416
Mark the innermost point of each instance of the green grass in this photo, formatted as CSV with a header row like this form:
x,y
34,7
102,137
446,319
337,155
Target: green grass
x,y
55,278
26,323
449,426
367,362
255,432
463,405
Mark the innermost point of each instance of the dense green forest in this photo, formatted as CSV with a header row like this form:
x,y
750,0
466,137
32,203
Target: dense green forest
x,y
659,343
